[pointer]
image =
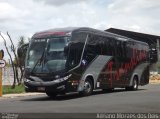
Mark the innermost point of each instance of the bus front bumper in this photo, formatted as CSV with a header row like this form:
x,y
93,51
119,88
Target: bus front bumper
x,y
59,85
33,86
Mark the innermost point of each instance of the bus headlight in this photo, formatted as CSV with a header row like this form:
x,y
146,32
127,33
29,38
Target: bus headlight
x,y
26,80
62,79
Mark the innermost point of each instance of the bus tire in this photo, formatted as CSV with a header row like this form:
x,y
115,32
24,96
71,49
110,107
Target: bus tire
x,y
134,84
88,88
51,94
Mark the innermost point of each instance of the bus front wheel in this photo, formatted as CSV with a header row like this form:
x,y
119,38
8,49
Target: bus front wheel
x,y
88,88
51,94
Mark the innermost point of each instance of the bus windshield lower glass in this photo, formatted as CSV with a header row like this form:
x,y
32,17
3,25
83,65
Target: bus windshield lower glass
x,y
47,55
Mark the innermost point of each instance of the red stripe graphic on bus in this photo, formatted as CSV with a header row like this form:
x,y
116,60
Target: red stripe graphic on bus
x,y
138,56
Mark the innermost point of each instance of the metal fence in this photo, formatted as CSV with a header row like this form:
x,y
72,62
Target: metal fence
x,y
7,76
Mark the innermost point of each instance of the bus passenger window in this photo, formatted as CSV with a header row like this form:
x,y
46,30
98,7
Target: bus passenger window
x,y
75,49
124,48
111,48
75,54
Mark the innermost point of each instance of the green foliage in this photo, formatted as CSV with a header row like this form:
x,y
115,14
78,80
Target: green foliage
x,y
21,41
21,51
10,90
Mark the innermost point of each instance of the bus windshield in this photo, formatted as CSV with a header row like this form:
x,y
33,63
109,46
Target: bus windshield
x,y
47,55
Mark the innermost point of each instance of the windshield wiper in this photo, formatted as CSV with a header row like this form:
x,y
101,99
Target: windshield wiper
x,y
39,60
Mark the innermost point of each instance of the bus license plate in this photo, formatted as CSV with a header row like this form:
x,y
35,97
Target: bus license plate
x,y
41,88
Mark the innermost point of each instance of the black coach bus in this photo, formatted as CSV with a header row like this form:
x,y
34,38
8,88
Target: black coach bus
x,y
82,60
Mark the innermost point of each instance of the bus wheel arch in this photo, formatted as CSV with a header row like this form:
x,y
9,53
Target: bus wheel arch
x,y
88,86
134,83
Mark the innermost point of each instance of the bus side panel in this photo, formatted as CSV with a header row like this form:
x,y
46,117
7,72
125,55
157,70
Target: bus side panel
x,y
142,72
72,83
119,71
94,70
107,75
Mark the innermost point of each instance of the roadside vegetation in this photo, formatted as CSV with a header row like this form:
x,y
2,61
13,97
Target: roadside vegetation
x,y
154,79
15,62
10,90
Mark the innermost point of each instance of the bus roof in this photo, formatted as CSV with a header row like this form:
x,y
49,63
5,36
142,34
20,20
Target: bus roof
x,y
68,30
148,38
107,34
56,31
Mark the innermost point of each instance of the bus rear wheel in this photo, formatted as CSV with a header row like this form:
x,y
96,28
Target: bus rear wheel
x,y
51,94
134,84
88,88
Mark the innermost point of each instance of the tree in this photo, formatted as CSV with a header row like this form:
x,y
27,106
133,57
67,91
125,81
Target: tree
x,y
13,49
5,44
21,52
21,41
18,61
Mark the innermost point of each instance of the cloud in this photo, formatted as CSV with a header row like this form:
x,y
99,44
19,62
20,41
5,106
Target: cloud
x,y
4,36
27,17
137,15
6,10
60,2
2,44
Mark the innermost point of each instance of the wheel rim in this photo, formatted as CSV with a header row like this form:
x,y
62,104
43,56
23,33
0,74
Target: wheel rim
x,y
87,87
135,84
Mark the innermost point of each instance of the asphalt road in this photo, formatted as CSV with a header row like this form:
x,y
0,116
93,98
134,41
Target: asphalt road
x,y
145,100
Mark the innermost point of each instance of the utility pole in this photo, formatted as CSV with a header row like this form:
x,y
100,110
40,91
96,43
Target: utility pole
x,y
1,64
158,56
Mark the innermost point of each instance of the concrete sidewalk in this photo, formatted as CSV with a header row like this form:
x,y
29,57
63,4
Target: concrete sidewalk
x,y
19,95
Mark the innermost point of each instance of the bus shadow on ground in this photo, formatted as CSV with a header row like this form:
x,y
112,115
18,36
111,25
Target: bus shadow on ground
x,y
76,95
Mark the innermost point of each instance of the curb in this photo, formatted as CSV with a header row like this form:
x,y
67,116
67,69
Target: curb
x,y
19,95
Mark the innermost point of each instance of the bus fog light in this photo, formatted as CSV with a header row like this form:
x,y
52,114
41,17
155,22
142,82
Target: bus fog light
x,y
74,83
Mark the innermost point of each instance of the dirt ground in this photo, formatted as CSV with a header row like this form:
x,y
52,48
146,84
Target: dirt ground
x,y
154,79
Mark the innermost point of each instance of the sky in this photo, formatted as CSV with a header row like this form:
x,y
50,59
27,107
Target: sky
x,y
25,17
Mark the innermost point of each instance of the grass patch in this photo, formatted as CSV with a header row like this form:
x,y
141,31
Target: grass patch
x,y
10,90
